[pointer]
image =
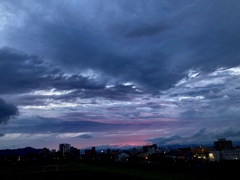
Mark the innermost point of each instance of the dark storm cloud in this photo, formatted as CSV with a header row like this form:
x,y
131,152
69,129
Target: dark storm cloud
x,y
39,124
216,110
7,111
230,133
85,136
206,41
142,30
118,92
23,73
202,136
174,139
73,82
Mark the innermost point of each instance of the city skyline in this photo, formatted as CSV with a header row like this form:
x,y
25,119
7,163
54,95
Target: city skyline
x,y
222,144
118,73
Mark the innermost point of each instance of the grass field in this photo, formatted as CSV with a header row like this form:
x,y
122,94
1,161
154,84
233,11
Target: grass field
x,y
84,170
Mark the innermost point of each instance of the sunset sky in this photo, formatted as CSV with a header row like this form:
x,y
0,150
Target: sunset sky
x,y
119,73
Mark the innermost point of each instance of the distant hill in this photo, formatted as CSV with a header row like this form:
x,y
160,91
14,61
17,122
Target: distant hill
x,y
19,152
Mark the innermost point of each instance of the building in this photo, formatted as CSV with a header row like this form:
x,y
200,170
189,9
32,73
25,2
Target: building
x,y
151,149
230,154
200,153
90,152
75,152
223,144
224,150
64,149
233,154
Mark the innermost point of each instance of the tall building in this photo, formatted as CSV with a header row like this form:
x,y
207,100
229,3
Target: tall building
x,y
64,148
223,144
75,152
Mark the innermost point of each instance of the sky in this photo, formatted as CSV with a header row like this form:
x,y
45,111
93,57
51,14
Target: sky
x,y
113,74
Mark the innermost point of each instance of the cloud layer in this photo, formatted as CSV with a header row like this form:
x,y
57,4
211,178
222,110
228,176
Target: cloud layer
x,y
119,72
7,111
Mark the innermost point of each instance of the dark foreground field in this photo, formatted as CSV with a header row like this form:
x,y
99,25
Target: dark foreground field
x,y
86,170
